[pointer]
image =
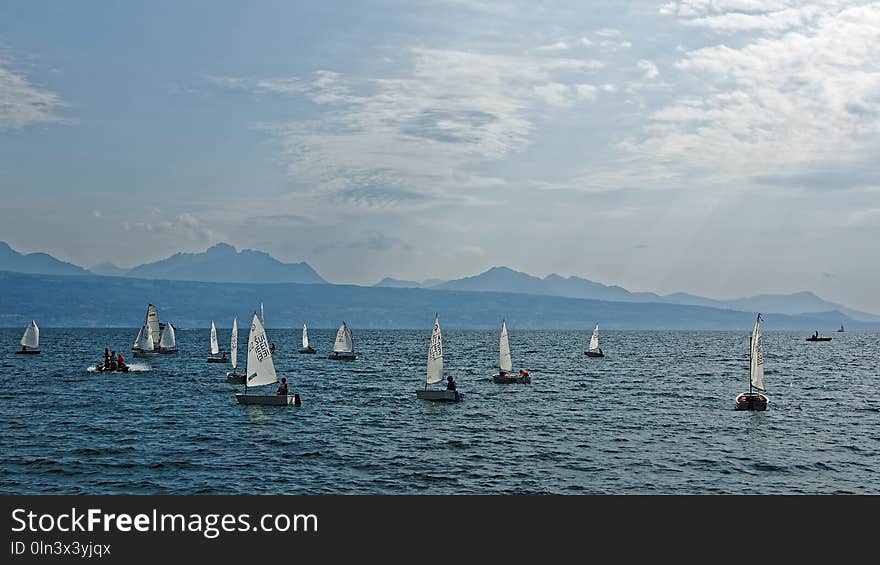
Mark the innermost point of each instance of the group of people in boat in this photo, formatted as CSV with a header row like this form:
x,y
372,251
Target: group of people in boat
x,y
113,361
522,373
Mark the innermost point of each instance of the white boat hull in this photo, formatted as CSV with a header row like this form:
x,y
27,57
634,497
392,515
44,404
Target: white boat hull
x,y
268,399
440,395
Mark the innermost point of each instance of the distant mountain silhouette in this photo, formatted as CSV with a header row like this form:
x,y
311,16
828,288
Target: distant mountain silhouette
x,y
108,269
389,282
36,263
222,263
505,279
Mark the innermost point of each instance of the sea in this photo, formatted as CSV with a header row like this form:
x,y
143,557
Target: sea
x,y
655,416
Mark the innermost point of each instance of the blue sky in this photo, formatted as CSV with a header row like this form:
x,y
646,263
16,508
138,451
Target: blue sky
x,y
724,148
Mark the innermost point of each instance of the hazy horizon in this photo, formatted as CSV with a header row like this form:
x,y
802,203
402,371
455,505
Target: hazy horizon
x,y
724,149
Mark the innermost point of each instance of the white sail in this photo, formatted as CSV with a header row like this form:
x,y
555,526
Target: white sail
x,y
169,337
435,355
215,347
146,342
233,344
594,340
31,337
262,318
344,342
138,339
505,363
756,357
260,368
153,323
305,337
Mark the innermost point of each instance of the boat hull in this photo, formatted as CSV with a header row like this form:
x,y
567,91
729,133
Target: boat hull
x,y
99,369
440,395
343,356
307,350
217,360
818,339
168,351
235,378
268,399
513,379
593,354
145,354
34,352
751,401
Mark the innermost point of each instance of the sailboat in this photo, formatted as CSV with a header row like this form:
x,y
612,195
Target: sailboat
x,y
234,377
306,348
754,400
260,371
168,341
841,330
343,347
215,347
30,340
143,345
815,337
435,370
594,350
505,362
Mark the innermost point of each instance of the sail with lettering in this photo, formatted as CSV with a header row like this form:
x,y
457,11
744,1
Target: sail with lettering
x,y
30,340
343,346
233,343
260,368
505,363
146,342
153,323
435,355
755,400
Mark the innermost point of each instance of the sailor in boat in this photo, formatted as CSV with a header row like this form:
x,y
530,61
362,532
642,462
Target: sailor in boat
x,y
600,351
450,383
223,358
282,388
114,364
120,362
24,348
502,374
106,358
524,373
272,348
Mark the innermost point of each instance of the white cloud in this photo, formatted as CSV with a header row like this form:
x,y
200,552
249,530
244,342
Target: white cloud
x,y
649,69
23,104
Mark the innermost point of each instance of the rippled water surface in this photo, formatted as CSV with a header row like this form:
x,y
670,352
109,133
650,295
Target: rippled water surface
x,y
655,416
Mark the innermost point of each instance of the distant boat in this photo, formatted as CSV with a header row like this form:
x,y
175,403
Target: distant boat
x,y
435,370
215,347
306,348
594,349
234,377
260,371
815,337
343,347
754,400
841,328
30,340
168,342
143,345
505,362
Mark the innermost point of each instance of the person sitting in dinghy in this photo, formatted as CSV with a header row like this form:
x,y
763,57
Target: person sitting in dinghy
x,y
282,388
502,374
523,373
113,363
450,383
120,362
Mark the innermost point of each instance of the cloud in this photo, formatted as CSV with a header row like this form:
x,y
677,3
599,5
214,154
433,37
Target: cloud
x,y
421,137
23,104
733,16
868,217
185,226
649,69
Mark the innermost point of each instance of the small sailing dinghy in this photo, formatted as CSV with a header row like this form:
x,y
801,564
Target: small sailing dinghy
x,y
754,400
594,349
168,342
30,340
143,345
260,371
306,348
841,330
343,347
505,362
815,337
435,370
215,347
234,377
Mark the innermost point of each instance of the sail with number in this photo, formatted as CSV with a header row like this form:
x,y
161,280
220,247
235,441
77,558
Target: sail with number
x,y
31,337
153,323
233,344
305,337
215,347
435,355
505,363
260,368
344,342
756,357
169,337
594,340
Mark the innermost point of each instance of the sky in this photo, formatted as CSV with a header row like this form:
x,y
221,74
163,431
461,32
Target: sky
x,y
725,148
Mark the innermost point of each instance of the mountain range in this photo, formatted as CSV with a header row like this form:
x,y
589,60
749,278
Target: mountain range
x,y
222,263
